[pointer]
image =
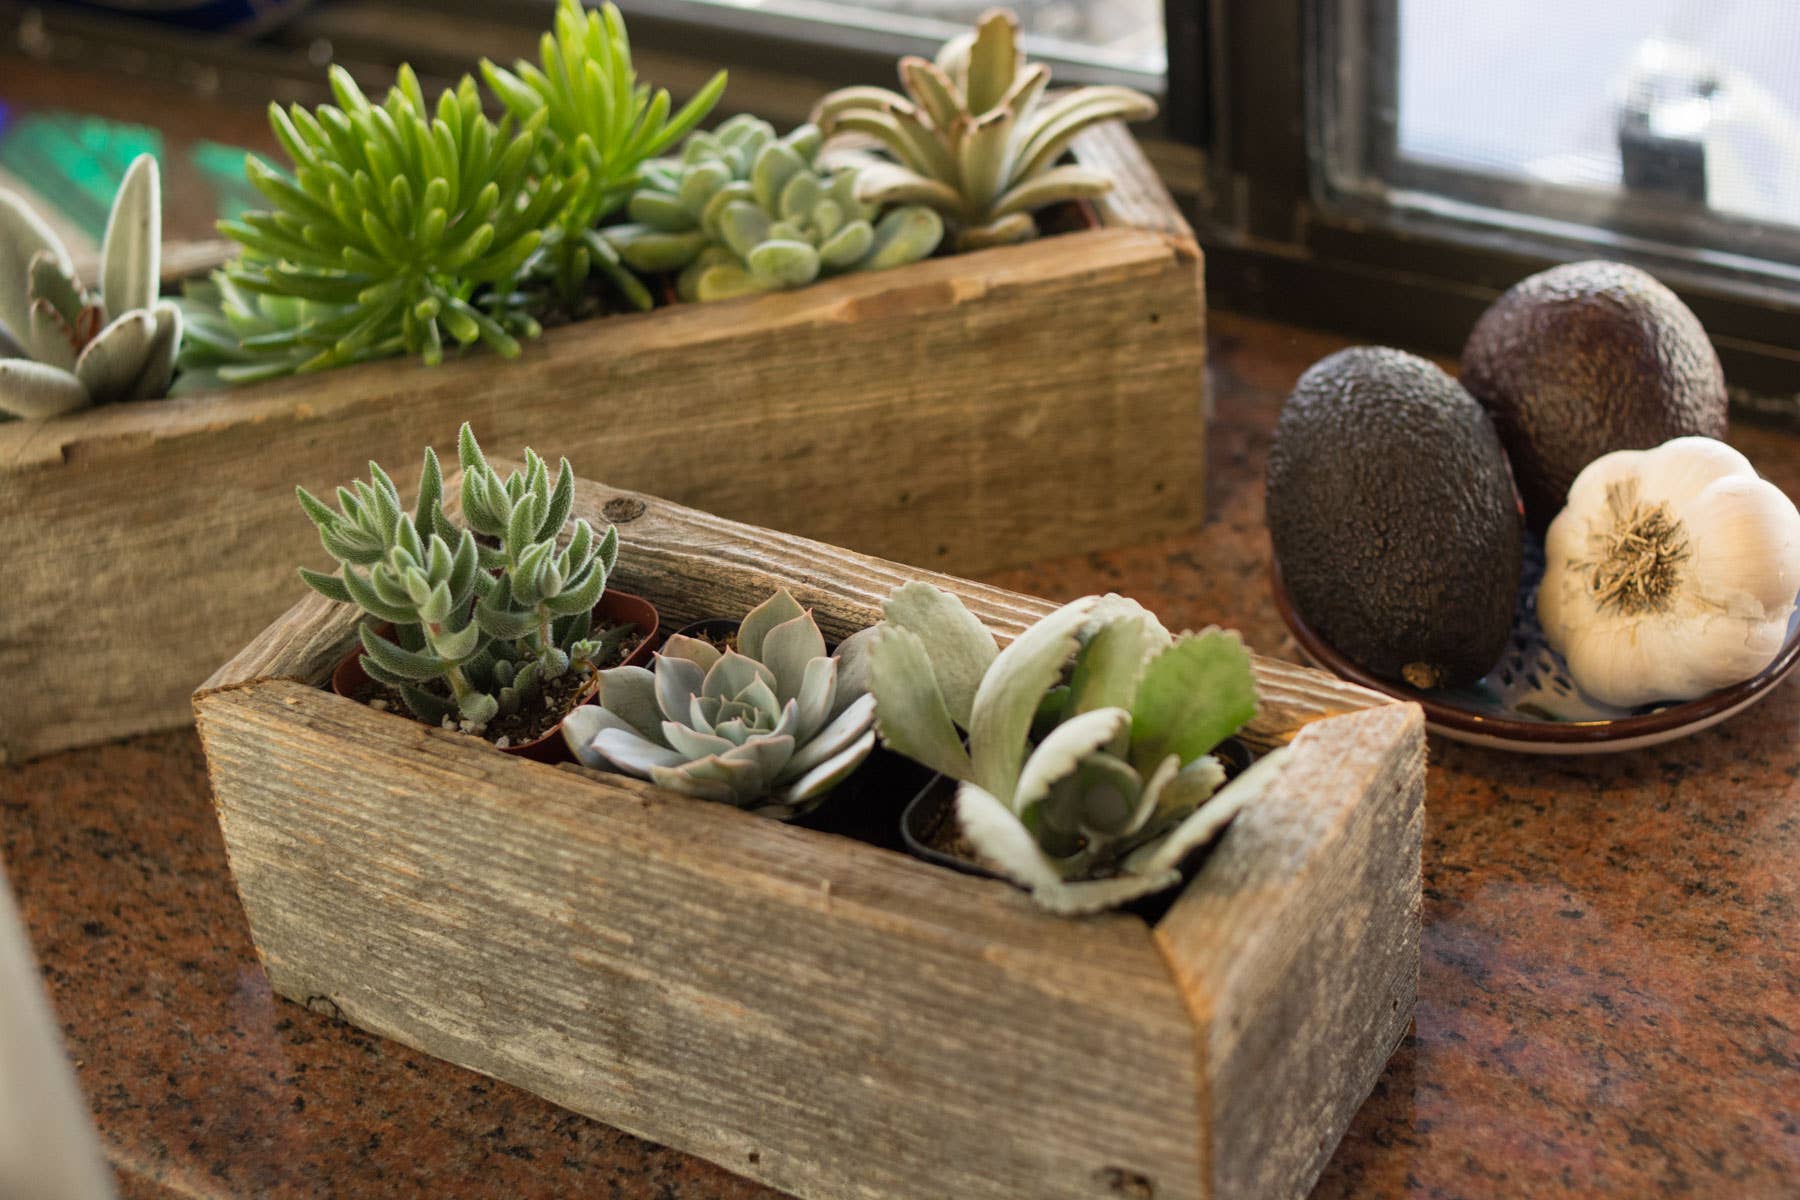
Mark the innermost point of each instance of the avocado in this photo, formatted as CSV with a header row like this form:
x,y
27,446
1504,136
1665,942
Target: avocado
x,y
1585,359
1393,517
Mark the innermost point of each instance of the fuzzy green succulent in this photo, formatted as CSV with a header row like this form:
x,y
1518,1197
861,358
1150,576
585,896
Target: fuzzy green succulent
x,y
395,225
975,138
1086,775
63,347
602,126
743,211
773,725
489,621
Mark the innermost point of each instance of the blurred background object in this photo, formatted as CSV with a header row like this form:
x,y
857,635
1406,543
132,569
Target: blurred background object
x,y
1691,102
214,15
47,1146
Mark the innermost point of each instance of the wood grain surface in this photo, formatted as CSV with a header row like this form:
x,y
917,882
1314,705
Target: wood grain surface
x,y
965,413
1297,949
822,1015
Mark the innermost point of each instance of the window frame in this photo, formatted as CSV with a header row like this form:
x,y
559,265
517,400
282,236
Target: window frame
x,y
1280,244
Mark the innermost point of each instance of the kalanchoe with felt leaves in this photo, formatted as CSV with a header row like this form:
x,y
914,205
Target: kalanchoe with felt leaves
x,y
744,211
772,725
405,230
602,126
1086,776
974,137
490,624
64,348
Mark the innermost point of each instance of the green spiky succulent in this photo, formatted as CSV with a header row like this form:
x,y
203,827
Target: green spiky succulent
x,y
63,347
231,336
395,225
602,127
743,211
488,623
773,725
1087,774
975,138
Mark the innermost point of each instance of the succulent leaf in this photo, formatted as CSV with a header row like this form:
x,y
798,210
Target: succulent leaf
x,y
33,391
131,254
51,340
1113,660
1007,700
629,693
910,705
601,129
1193,696
1209,818
1062,753
23,236
112,363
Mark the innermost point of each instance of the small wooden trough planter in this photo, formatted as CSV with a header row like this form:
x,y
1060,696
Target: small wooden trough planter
x,y
1039,399
828,1017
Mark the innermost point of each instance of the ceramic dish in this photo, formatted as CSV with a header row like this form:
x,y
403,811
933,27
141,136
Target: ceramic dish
x,y
1528,704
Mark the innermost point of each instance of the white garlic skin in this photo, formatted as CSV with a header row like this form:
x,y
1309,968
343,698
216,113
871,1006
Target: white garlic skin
x,y
1727,615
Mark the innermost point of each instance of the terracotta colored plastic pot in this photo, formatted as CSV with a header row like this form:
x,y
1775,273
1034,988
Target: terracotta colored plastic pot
x,y
615,608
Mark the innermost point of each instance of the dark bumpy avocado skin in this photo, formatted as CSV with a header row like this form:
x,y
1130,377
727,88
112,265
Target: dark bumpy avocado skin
x,y
1585,359
1393,517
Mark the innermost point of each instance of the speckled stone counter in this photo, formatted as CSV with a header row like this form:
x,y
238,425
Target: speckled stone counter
x,y
1609,1001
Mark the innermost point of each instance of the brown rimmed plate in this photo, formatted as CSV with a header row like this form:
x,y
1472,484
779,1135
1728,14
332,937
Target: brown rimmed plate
x,y
1528,705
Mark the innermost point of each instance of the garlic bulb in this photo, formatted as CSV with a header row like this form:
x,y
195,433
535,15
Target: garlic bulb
x,y
1670,573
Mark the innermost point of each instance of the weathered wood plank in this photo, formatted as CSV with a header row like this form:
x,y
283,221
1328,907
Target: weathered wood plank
x,y
933,414
1297,949
1139,199
693,565
833,1019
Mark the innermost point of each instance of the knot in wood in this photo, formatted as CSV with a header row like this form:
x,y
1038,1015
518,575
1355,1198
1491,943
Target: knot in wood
x,y
622,509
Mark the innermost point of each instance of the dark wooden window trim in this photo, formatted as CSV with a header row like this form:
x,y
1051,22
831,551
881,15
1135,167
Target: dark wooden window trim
x,y
1280,244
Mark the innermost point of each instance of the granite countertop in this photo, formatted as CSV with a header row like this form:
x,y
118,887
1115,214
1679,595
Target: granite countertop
x,y
1609,998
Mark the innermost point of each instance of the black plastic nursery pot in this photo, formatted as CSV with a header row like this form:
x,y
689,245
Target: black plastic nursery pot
x,y
349,679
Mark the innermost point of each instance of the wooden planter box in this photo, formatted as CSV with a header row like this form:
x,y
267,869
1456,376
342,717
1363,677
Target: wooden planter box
x,y
968,413
828,1017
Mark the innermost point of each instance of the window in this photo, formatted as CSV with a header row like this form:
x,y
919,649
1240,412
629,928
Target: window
x,y
1670,125
1386,167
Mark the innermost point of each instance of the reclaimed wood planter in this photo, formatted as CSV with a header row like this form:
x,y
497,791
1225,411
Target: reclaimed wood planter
x,y
967,413
825,1016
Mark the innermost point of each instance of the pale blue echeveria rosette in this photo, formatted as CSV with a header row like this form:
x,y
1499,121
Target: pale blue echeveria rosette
x,y
772,725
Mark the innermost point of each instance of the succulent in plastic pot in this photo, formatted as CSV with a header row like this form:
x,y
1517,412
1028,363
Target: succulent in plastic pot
x,y
1087,771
